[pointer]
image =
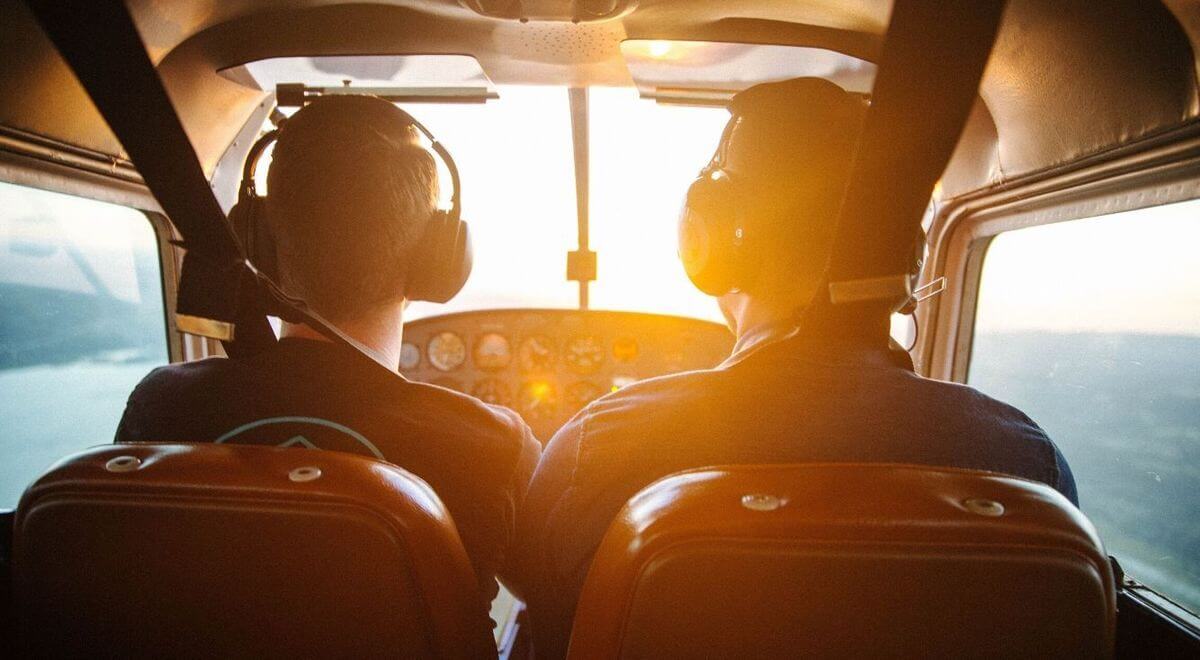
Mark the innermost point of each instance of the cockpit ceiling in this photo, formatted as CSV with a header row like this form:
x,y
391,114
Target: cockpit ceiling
x,y
1067,78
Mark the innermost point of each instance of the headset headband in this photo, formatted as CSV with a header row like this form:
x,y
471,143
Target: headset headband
x,y
260,147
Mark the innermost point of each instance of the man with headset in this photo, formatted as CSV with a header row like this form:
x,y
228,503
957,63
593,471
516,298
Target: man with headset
x,y
352,230
803,384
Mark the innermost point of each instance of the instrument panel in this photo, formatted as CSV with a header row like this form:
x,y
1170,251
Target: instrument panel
x,y
548,363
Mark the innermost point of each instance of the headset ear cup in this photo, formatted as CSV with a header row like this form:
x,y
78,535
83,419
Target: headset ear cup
x,y
465,260
239,223
264,252
441,261
695,251
708,246
249,221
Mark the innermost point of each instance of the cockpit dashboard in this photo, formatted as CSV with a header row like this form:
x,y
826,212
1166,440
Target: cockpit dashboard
x,y
547,364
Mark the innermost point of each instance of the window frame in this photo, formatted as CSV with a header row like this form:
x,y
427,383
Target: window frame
x,y
1163,169
1158,170
169,260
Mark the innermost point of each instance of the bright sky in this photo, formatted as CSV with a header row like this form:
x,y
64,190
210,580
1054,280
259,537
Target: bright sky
x,y
516,163
1137,271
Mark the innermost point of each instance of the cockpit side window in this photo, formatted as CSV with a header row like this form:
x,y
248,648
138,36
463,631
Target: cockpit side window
x,y
1093,328
81,321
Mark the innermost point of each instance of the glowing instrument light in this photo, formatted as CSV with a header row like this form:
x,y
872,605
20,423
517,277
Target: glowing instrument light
x,y
540,389
538,400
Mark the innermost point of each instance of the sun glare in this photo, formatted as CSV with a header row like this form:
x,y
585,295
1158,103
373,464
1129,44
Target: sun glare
x,y
515,157
659,48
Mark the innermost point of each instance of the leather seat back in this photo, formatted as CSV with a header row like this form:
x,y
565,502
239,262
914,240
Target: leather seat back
x,y
835,561
238,551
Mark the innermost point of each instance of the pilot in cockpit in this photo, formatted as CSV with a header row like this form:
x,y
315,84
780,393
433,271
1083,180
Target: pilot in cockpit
x,y
352,211
756,232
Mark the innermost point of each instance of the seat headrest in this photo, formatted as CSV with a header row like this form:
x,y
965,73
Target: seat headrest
x,y
844,560
161,549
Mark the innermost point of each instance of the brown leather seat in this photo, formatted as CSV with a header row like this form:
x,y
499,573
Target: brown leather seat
x,y
226,551
838,561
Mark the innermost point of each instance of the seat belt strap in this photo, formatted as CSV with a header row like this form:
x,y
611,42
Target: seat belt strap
x,y
933,58
98,41
219,289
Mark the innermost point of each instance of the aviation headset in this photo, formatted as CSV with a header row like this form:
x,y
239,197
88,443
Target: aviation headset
x,y
717,237
712,227
439,263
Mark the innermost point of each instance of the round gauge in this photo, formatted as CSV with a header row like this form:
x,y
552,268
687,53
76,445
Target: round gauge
x,y
492,351
625,349
584,355
410,356
537,400
536,354
582,393
446,351
493,390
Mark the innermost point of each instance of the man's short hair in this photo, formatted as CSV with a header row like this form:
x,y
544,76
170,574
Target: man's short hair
x,y
794,142
349,193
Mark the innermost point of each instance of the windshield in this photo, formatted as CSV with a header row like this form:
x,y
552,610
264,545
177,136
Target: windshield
x,y
516,161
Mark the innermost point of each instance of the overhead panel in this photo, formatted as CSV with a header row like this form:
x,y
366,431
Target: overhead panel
x,y
710,73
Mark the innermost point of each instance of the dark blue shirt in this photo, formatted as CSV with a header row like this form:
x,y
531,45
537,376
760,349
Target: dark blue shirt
x,y
478,458
778,401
